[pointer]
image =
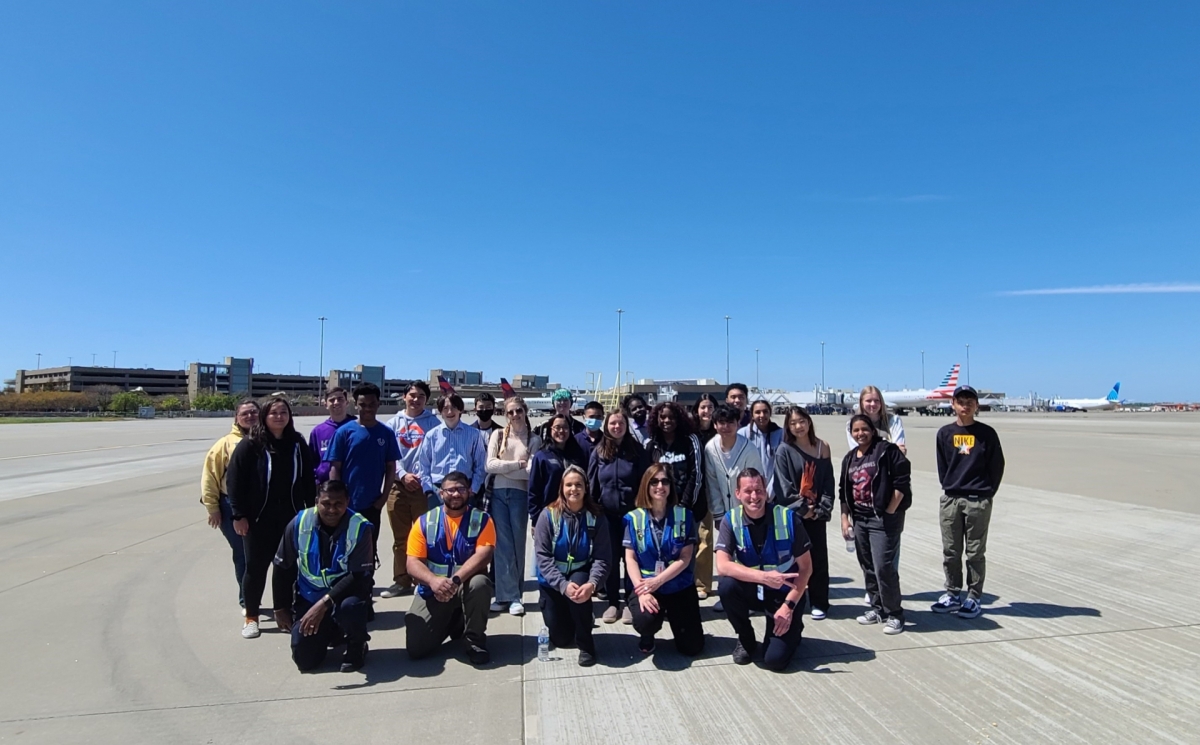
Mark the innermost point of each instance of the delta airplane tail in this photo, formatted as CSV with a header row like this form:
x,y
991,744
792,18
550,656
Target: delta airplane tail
x,y
506,389
445,387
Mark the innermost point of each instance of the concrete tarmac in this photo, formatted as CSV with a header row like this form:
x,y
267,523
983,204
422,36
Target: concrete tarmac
x,y
121,622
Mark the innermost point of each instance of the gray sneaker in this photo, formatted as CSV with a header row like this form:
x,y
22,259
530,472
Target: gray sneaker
x,y
893,626
870,617
396,590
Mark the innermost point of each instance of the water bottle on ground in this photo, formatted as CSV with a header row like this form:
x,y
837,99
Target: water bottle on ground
x,y
544,645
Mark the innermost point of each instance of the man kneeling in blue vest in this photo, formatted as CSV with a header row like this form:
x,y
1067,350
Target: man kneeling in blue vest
x,y
762,557
327,557
448,553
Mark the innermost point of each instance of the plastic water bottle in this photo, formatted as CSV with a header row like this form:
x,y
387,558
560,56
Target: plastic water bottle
x,y
544,645
850,546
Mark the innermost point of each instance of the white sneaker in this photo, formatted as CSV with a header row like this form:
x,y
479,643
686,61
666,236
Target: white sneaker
x,y
516,608
893,626
818,614
497,607
250,630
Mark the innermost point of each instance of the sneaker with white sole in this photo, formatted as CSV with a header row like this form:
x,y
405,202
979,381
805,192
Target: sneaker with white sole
x,y
818,614
516,608
947,603
396,590
970,608
251,630
870,617
893,626
498,607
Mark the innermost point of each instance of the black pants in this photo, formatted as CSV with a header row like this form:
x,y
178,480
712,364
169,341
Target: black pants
x,y
308,652
877,540
680,609
570,623
739,598
818,584
260,544
612,583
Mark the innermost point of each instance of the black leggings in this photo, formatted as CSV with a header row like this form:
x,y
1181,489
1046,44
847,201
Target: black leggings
x,y
682,610
818,584
568,622
260,545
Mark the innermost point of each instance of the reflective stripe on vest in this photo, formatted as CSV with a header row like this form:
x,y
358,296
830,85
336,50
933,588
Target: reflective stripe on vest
x,y
308,552
641,529
438,556
778,545
563,559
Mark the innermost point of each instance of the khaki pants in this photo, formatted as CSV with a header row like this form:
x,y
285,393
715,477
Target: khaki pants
x,y
704,554
404,507
429,621
964,522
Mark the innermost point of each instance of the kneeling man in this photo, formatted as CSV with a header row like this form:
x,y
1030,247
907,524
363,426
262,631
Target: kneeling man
x,y
448,553
323,572
763,559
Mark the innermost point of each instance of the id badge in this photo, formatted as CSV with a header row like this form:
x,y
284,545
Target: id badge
x,y
760,592
659,567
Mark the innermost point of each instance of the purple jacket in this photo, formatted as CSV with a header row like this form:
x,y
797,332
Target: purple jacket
x,y
318,442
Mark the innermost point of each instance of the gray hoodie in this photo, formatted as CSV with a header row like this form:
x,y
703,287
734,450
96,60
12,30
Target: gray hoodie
x,y
410,433
720,479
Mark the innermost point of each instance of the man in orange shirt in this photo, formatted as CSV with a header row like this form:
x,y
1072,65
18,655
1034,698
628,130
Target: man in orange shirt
x,y
448,553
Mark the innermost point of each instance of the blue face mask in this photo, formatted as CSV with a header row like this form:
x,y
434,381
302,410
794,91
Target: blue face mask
x,y
593,424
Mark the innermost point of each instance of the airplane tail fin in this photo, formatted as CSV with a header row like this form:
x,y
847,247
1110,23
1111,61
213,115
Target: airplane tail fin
x,y
444,385
506,389
1115,393
950,382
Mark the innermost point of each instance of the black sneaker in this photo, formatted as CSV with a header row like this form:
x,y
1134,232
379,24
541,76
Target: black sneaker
x,y
354,658
740,655
646,645
586,659
947,603
478,655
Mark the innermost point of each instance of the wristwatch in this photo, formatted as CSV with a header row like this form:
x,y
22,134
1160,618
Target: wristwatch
x,y
457,580
791,604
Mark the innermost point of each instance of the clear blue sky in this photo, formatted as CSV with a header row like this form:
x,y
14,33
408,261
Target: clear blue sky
x,y
195,180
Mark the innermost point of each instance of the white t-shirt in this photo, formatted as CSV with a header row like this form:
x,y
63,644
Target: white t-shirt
x,y
894,432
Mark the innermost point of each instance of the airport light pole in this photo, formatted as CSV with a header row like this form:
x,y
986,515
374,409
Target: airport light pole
x,y
114,359
968,364
93,359
39,364
321,363
757,387
727,381
822,367
922,369
617,384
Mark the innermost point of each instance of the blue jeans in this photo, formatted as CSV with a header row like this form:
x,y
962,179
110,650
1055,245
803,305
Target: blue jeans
x,y
235,545
510,512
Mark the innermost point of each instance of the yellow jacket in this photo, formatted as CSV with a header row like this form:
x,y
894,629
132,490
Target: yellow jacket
x,y
212,481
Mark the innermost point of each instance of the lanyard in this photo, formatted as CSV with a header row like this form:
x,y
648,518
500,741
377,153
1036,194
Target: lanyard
x,y
573,545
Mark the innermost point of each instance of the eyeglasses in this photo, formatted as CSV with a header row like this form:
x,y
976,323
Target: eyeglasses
x,y
514,412
660,482
454,490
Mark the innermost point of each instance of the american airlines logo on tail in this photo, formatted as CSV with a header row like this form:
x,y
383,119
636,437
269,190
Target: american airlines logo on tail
x,y
949,383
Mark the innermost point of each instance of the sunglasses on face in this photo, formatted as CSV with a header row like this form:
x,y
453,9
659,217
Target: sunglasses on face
x,y
515,412
660,482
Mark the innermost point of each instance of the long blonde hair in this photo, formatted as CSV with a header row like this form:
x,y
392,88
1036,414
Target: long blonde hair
x,y
885,414
508,425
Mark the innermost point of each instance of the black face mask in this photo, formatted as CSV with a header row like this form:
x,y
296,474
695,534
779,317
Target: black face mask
x,y
485,416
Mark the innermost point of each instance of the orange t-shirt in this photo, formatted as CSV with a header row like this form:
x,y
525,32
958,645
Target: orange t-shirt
x,y
416,537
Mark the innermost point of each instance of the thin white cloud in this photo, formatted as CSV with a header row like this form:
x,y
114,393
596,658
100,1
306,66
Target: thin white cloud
x,y
1136,289
882,198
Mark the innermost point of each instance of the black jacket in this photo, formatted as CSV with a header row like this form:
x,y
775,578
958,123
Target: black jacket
x,y
615,483
249,465
685,460
790,462
893,473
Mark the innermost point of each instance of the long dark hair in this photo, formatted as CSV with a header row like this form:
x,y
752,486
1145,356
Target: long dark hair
x,y
696,408
609,447
571,449
867,419
683,425
799,411
262,436
589,504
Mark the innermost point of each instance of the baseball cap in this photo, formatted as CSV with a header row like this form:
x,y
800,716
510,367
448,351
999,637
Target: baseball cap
x,y
966,391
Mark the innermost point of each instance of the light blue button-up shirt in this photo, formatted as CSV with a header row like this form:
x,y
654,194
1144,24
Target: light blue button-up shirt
x,y
445,450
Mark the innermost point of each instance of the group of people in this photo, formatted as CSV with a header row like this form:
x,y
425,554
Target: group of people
x,y
634,507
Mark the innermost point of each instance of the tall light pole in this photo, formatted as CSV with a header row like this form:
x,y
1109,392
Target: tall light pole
x,y
822,366
299,367
727,380
617,384
39,364
114,358
922,369
93,359
321,363
757,387
968,364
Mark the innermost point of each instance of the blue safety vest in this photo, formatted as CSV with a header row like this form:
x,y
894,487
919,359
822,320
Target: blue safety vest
x,y
444,561
314,578
776,552
570,558
674,538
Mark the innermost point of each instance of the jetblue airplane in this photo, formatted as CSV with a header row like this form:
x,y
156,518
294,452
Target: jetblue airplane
x,y
1111,401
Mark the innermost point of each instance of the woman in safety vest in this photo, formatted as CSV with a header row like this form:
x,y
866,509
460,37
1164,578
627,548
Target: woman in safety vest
x,y
573,556
660,544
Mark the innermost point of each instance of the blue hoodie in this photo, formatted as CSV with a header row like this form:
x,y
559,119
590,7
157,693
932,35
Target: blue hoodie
x,y
410,433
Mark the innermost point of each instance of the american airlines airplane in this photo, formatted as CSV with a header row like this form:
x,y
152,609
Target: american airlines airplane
x,y
922,398
1111,401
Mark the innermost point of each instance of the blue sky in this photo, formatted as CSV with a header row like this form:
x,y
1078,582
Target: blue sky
x,y
481,185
